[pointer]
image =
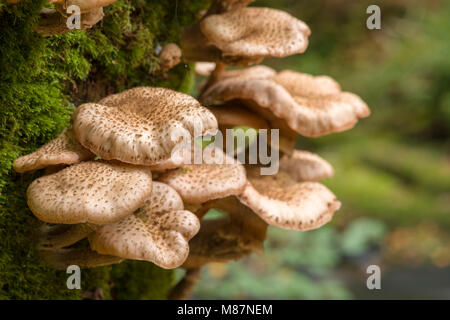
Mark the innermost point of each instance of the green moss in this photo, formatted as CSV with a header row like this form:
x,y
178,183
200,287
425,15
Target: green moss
x,y
41,79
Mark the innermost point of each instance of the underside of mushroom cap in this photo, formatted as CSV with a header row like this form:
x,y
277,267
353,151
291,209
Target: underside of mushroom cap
x,y
64,149
283,202
197,183
306,166
311,106
159,231
95,191
256,32
141,125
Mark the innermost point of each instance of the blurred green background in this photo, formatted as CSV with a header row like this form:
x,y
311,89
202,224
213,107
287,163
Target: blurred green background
x,y
392,170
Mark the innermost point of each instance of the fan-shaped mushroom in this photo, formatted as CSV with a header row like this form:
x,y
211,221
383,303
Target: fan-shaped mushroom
x,y
141,125
158,232
311,106
281,201
198,183
64,149
245,36
93,191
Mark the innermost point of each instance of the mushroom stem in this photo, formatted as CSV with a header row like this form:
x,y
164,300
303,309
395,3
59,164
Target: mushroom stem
x,y
183,290
60,236
84,258
215,75
220,240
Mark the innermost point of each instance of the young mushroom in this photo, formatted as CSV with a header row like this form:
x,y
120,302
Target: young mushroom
x,y
311,106
244,36
158,232
142,125
94,191
169,56
64,149
281,201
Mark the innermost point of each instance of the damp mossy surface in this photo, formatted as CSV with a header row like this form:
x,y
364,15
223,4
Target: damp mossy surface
x,y
42,80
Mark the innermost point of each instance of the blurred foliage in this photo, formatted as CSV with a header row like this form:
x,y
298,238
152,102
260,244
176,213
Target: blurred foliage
x,y
392,172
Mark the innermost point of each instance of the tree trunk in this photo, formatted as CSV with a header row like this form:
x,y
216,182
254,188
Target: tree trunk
x,y
41,81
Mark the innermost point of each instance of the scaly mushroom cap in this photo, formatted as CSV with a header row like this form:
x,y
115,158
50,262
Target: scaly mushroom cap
x,y
64,149
93,191
159,231
198,183
283,202
311,106
141,125
256,32
306,166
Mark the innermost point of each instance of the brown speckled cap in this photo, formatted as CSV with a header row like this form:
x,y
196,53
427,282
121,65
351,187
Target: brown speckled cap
x,y
159,231
256,32
306,166
93,191
198,183
141,125
281,201
64,149
311,106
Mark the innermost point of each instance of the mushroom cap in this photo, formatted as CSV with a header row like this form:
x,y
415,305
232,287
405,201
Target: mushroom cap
x,y
283,202
94,191
256,32
158,232
311,106
306,166
64,149
141,125
198,183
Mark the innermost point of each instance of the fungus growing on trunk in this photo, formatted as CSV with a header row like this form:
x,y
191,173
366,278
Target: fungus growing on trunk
x,y
158,232
245,36
64,149
94,191
311,106
141,125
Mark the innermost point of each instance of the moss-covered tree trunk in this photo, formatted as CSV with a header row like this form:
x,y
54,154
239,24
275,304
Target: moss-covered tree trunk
x,y
41,82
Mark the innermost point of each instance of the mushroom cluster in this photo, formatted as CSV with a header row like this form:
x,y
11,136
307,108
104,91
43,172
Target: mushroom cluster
x,y
123,175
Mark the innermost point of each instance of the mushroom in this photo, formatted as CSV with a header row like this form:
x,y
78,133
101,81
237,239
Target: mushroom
x,y
55,22
281,201
244,36
198,183
311,106
95,191
65,149
158,232
306,166
84,5
170,56
141,125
